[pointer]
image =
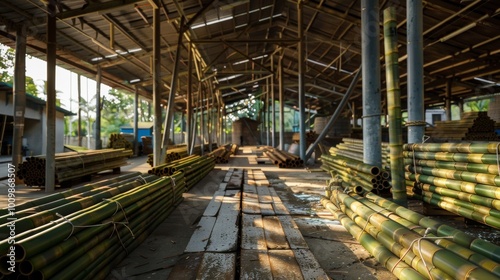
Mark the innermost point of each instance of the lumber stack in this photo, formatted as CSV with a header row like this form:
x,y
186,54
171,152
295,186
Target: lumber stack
x,y
72,165
345,162
282,159
180,151
411,245
119,141
462,178
220,155
474,126
267,241
87,234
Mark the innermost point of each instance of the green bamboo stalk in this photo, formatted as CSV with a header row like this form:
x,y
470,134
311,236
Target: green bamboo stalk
x,y
457,157
459,166
354,164
478,148
472,177
381,254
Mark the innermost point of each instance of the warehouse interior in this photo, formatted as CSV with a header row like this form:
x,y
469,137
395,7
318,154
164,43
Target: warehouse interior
x,y
381,93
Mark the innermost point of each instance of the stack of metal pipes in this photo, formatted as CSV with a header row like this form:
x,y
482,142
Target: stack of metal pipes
x,y
462,178
72,165
85,232
410,245
345,161
283,159
193,167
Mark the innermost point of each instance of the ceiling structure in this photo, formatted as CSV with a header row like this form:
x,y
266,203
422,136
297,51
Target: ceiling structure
x,y
237,45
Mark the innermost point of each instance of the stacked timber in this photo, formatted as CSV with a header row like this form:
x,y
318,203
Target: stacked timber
x,y
345,162
178,152
474,126
220,155
462,178
193,167
282,159
235,149
411,245
72,165
84,235
119,141
311,136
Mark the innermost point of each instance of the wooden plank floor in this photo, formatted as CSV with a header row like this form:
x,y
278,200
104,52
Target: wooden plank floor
x,y
246,228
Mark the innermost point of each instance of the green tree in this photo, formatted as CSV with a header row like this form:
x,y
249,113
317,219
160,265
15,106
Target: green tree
x,y
117,111
7,57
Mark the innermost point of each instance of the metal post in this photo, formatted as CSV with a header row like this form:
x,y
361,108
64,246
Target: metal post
x,y
171,96
370,40
19,96
266,112
50,108
136,121
335,115
273,112
189,105
416,112
394,107
301,91
97,130
282,106
156,88
202,120
448,100
79,110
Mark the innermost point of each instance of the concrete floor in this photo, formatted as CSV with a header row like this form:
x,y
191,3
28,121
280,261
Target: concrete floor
x,y
340,255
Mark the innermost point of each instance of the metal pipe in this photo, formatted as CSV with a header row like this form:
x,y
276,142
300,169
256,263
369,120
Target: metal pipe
x,y
335,115
50,109
394,107
19,96
156,88
302,94
370,40
416,111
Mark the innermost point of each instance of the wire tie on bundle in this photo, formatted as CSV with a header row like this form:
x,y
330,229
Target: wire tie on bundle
x,y
140,178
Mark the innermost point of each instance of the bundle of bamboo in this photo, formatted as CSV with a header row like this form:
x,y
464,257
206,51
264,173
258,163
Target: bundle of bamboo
x,y
345,161
72,165
87,243
194,168
118,141
462,178
411,245
221,154
473,126
283,159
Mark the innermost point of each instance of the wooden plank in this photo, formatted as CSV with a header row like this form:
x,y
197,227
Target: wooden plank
x,y
250,191
252,232
292,233
251,207
284,266
274,195
214,204
217,266
222,186
311,270
255,265
275,236
186,267
280,208
266,209
201,235
264,195
230,206
224,236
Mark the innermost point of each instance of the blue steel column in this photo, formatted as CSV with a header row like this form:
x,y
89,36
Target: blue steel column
x,y
416,115
370,40
301,91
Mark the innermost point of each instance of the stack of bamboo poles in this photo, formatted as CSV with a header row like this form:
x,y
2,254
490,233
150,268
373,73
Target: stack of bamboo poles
x,y
193,167
235,149
72,165
311,136
220,155
462,178
93,230
345,161
118,141
282,159
172,154
474,126
411,245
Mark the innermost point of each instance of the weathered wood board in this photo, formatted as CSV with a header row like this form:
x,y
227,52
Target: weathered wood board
x,y
214,204
292,233
275,236
252,232
284,266
255,265
311,270
201,235
217,266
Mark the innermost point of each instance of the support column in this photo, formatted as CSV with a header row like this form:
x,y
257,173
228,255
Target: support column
x,y
50,109
189,105
171,96
79,110
416,112
281,99
273,113
301,90
136,121
266,112
370,40
97,130
448,100
19,97
156,88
